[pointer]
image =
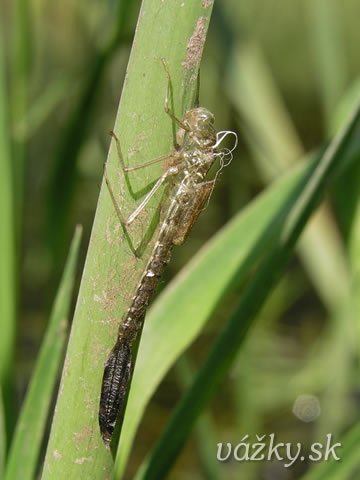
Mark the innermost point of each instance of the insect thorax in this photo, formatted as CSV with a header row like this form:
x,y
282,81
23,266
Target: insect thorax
x,y
201,132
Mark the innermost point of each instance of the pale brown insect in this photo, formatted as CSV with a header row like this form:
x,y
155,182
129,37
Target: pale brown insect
x,y
188,192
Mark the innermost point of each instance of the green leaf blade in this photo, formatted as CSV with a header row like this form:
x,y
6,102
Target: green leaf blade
x,y
31,423
111,272
7,260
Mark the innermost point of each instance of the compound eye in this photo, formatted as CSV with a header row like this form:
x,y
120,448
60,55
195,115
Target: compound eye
x,y
207,120
203,123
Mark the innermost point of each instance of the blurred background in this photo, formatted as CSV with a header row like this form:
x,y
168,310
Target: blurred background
x,y
283,75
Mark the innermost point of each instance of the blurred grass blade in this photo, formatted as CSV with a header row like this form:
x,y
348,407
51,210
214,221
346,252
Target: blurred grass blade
x,y
205,431
40,109
25,448
329,55
345,200
7,256
354,254
275,145
21,65
255,294
344,469
63,176
111,271
268,130
2,436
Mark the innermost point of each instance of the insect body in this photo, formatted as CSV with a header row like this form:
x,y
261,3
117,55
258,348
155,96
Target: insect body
x,y
187,195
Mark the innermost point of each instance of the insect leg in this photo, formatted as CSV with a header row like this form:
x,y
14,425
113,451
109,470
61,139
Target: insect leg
x,y
125,222
197,95
166,106
140,165
160,181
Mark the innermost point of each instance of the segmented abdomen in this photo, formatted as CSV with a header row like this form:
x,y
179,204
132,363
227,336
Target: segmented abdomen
x,y
118,369
114,387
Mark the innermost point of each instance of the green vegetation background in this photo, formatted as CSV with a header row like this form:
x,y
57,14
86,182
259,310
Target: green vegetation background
x,y
285,76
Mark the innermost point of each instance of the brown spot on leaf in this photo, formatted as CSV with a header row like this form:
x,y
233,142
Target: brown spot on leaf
x,y
195,45
57,455
82,436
